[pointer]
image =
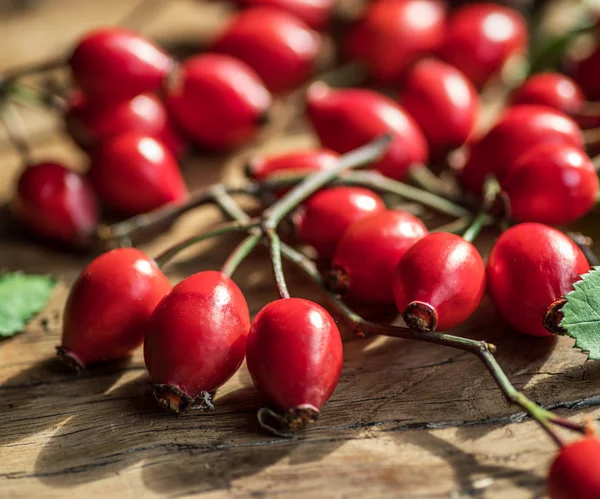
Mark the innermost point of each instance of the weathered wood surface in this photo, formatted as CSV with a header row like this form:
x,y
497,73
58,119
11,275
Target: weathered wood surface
x,y
407,420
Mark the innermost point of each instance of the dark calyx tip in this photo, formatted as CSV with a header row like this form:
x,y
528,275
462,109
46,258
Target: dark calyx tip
x,y
249,168
70,359
337,280
170,398
554,317
286,425
420,317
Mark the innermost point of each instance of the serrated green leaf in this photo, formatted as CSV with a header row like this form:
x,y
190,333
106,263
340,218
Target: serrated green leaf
x,y
582,313
21,297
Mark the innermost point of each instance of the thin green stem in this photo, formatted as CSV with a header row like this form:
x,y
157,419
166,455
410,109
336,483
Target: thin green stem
x,y
239,254
458,226
275,247
235,226
362,156
476,225
425,179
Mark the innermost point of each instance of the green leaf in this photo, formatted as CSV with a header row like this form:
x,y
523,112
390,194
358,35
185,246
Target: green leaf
x,y
582,313
21,297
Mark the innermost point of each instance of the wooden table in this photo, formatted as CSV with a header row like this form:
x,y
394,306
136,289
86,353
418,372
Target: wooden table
x,y
408,420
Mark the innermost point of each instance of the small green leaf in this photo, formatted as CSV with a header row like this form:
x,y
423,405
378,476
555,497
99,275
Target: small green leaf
x,y
21,297
582,313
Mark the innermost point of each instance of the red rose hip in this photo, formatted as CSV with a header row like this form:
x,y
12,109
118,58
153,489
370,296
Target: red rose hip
x,y
575,472
393,34
56,203
443,102
109,308
134,173
218,101
439,282
325,216
550,89
315,13
295,358
349,118
113,64
280,47
196,339
368,253
530,267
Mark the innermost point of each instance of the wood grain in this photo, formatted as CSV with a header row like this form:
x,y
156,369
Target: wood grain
x,y
408,420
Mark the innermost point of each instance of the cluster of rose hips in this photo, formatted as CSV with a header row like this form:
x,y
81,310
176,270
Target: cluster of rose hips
x,y
135,109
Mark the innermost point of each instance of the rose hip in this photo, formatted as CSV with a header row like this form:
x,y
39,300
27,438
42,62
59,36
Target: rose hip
x,y
315,13
196,339
550,89
109,308
530,267
280,47
443,102
218,101
439,282
90,123
113,64
134,173
325,216
585,72
56,203
575,472
551,184
393,34
349,118
295,358
368,253
519,128
481,38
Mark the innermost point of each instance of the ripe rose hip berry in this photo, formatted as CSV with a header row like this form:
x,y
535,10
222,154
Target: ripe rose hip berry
x,y
349,118
280,47
114,64
56,203
481,38
295,358
134,173
550,89
439,282
585,72
393,34
196,339
443,102
575,472
315,13
325,216
90,123
368,253
109,307
551,184
218,101
519,128
530,267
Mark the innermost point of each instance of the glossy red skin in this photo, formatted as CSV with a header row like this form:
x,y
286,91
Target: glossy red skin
x,y
575,472
393,34
444,271
550,89
294,353
481,38
443,102
110,305
114,64
530,266
218,101
551,184
56,203
134,173
197,336
315,13
349,118
585,73
323,219
280,47
519,128
310,160
90,124
370,250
